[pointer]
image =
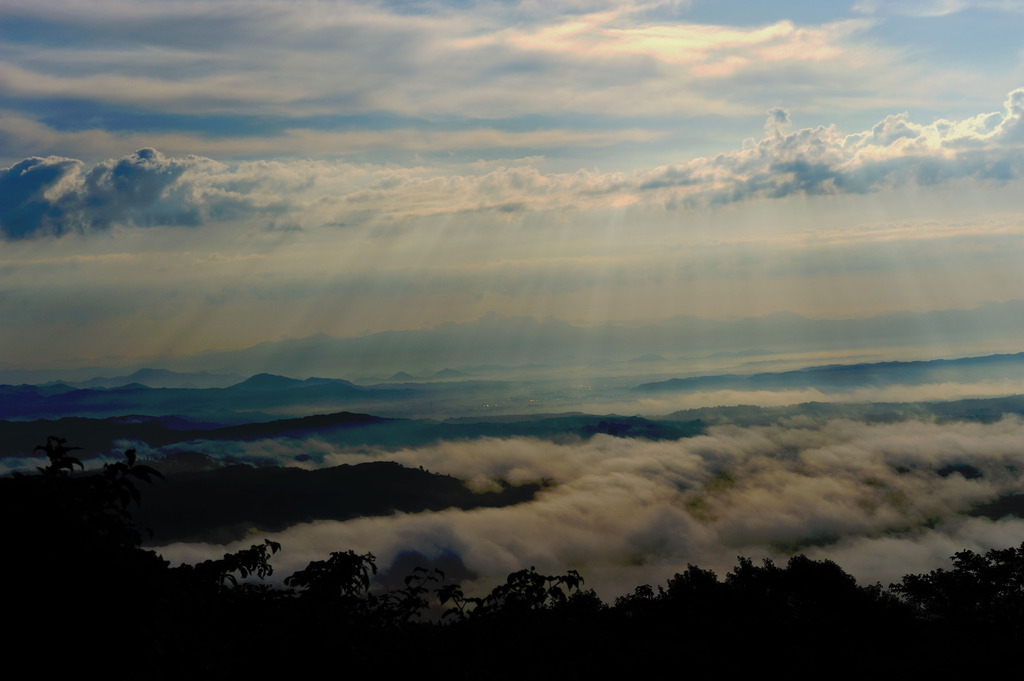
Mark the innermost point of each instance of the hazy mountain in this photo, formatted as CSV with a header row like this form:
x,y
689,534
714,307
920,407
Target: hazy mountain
x,y
510,344
163,378
266,397
219,405
522,341
835,377
344,429
449,373
982,410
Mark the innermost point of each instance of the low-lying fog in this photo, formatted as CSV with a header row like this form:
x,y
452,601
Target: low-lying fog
x,y
882,500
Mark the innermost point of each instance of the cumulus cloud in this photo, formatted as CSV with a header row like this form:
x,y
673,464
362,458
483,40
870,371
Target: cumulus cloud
x,y
30,190
895,152
55,195
885,499
778,122
58,195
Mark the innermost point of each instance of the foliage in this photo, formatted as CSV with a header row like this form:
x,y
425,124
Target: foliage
x,y
983,590
60,512
219,574
71,528
343,576
523,591
61,463
408,604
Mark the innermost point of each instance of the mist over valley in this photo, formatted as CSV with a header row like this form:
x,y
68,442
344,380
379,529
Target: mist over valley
x,y
881,486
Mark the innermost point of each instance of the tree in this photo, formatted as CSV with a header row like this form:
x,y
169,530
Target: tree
x,y
984,591
523,591
73,552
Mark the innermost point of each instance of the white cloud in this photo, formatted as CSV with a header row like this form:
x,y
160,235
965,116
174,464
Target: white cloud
x,y
934,8
55,195
292,60
878,498
811,161
895,152
706,50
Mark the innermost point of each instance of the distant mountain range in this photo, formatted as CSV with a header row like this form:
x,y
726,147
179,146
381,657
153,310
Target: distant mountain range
x,y
521,342
838,377
267,397
162,378
514,341
260,392
344,429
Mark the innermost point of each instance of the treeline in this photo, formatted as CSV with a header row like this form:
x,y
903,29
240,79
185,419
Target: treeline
x,y
83,595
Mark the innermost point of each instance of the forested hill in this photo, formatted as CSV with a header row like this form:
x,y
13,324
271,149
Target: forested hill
x,y
341,428
225,504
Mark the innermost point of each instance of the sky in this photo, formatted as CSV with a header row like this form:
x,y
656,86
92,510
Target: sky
x,y
192,175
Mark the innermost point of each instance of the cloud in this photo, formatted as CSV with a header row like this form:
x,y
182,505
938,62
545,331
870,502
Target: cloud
x,y
886,499
303,142
778,122
30,190
57,195
668,403
54,196
268,64
933,8
895,152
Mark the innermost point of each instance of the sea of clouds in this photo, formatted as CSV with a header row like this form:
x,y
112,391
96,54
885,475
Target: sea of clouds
x,y
882,500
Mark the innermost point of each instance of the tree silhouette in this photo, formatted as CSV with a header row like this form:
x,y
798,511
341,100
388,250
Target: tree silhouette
x,y
985,591
88,589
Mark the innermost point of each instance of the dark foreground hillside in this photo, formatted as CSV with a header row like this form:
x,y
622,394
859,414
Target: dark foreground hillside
x,y
84,596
